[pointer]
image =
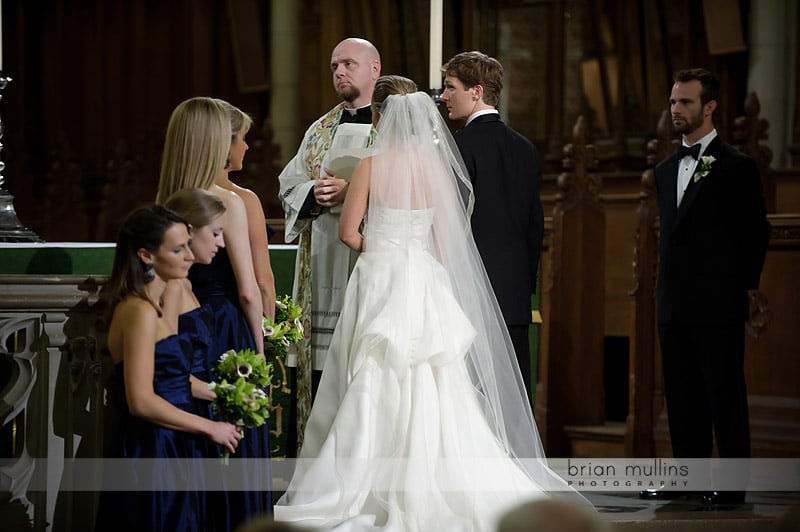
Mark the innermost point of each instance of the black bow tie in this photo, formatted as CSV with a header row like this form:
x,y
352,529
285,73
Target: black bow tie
x,y
691,151
362,115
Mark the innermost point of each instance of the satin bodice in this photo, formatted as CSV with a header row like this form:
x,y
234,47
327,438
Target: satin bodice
x,y
156,498
173,356
197,325
216,280
390,229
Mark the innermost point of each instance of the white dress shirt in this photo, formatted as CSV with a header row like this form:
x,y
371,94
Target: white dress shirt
x,y
687,165
476,114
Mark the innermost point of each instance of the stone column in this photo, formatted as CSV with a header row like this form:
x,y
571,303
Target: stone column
x,y
772,69
285,76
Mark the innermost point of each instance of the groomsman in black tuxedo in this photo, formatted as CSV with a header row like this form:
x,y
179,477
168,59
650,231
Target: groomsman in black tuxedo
x,y
714,235
506,173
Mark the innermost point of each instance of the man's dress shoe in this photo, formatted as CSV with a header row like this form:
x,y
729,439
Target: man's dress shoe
x,y
714,498
655,494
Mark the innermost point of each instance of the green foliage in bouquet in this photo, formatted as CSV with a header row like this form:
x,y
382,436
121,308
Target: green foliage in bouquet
x,y
241,398
285,330
279,335
241,403
244,364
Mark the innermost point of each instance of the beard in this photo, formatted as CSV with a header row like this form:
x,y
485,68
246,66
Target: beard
x,y
690,124
348,94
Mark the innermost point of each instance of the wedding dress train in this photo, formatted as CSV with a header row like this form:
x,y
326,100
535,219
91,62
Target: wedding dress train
x,y
397,438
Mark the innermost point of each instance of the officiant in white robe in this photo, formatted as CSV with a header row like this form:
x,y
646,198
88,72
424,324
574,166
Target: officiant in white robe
x,y
312,188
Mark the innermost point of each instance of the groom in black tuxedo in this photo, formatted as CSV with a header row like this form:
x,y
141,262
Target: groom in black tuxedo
x,y
506,173
714,235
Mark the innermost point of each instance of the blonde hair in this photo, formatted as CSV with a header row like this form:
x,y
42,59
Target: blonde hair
x,y
388,85
240,121
196,146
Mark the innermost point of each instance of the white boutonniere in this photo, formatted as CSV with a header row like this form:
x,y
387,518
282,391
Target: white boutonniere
x,y
704,167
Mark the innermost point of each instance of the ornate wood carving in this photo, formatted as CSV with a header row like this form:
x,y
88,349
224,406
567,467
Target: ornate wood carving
x,y
571,356
785,230
748,131
643,340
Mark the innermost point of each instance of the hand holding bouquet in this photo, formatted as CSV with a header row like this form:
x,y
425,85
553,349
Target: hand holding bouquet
x,y
240,397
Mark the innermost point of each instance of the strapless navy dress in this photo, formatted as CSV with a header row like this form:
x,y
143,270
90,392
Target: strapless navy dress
x,y
198,325
215,287
156,495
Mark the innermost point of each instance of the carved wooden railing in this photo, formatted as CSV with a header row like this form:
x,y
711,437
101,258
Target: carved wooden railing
x,y
51,405
21,351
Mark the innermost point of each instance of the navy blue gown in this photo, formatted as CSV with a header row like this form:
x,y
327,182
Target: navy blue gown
x,y
198,325
215,286
162,495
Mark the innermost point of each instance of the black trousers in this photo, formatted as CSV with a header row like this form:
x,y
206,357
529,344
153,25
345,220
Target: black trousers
x,y
704,387
519,339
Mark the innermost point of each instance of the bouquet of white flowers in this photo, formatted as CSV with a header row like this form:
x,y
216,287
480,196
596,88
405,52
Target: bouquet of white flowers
x,y
241,399
285,330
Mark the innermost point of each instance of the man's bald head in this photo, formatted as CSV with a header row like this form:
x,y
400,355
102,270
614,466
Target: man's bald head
x,y
355,65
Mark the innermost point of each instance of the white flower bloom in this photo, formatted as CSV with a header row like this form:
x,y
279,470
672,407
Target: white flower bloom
x,y
244,370
280,305
227,386
704,167
298,325
212,385
258,392
268,331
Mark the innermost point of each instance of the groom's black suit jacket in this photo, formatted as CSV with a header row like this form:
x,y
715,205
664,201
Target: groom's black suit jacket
x,y
712,246
508,220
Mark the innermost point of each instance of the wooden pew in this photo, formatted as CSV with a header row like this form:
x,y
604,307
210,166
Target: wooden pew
x,y
571,341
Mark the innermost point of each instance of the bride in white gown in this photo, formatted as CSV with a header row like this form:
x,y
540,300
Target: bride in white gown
x,y
421,420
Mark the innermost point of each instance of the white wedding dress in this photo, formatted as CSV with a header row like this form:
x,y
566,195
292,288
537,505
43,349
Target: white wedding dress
x,y
397,439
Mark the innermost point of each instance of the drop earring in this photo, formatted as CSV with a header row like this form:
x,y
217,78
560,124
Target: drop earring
x,y
149,274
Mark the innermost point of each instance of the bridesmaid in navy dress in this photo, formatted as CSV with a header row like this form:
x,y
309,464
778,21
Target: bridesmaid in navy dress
x,y
256,221
215,286
259,248
196,153
205,214
150,387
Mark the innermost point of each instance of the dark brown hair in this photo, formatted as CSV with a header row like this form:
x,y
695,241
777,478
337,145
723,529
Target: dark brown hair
x,y
709,82
144,228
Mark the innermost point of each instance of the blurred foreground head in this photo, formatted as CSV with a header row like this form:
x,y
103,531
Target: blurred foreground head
x,y
552,515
